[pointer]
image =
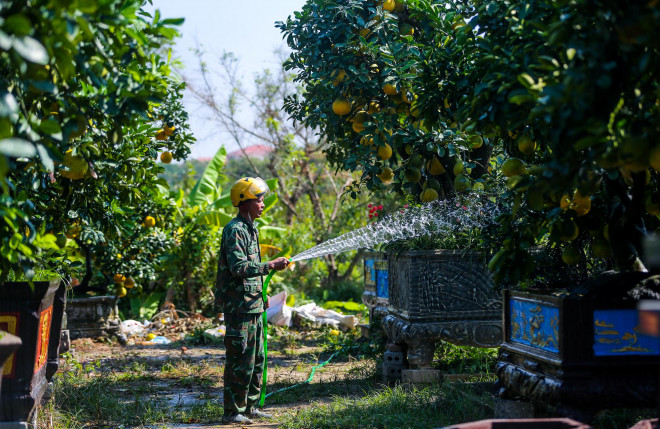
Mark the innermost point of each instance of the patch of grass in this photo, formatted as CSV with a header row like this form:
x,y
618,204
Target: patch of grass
x,y
204,373
398,407
453,359
623,417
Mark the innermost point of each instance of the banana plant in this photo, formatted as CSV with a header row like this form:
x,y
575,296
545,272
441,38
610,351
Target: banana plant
x,y
214,208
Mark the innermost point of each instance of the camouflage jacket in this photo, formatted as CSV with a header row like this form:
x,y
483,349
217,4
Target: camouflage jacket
x,y
240,270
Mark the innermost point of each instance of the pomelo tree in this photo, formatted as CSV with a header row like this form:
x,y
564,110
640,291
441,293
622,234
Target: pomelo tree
x,y
564,94
88,103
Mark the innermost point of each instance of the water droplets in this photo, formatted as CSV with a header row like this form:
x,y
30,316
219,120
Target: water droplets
x,y
437,217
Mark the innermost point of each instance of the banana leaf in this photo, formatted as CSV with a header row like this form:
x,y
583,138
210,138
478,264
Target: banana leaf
x,y
205,190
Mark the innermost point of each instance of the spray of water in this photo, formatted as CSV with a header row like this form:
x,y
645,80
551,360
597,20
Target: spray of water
x,y
438,217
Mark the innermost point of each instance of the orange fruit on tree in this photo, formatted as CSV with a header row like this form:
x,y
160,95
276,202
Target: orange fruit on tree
x,y
413,175
390,89
386,174
462,183
435,167
160,135
121,292
166,157
149,221
77,166
169,130
358,127
428,195
129,282
384,152
339,75
118,278
389,5
581,203
526,145
569,231
341,106
601,248
476,141
458,168
513,167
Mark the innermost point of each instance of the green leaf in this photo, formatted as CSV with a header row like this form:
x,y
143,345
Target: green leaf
x,y
206,185
213,218
31,50
46,160
270,201
17,148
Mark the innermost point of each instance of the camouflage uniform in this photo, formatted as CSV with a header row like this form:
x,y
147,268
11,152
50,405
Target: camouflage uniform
x,y
239,296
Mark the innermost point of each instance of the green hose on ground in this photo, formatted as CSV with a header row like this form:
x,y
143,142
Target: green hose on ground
x,y
265,329
264,316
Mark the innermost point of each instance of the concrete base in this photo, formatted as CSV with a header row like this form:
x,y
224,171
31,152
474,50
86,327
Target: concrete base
x,y
421,376
14,425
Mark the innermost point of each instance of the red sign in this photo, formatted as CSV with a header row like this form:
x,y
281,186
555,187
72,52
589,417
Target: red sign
x,y
9,323
42,338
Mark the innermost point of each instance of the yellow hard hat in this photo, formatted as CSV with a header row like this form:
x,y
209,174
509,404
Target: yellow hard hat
x,y
247,188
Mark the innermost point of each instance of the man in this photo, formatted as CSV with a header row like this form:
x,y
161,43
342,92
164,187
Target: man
x,y
239,296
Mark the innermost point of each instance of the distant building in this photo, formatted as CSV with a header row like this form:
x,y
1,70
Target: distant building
x,y
260,151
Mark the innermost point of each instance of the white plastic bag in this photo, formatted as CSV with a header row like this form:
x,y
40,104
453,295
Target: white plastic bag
x,y
279,313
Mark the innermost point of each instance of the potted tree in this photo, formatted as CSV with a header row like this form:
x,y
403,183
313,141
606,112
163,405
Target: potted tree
x,y
80,135
556,101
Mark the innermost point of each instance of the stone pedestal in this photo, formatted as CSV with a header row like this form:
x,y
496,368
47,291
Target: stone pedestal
x,y
577,352
441,295
93,317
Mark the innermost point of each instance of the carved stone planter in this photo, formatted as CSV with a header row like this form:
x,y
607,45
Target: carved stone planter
x,y
376,287
577,351
556,423
441,295
8,345
34,315
93,317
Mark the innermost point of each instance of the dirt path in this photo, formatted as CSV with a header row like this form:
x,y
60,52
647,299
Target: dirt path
x,y
188,376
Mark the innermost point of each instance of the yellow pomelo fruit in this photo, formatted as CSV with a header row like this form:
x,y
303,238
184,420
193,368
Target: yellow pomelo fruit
x,y
413,175
389,5
160,135
462,183
374,107
571,255
386,174
435,167
385,152
433,184
390,89
341,106
417,160
513,167
526,145
169,130
338,76
601,248
121,292
118,278
428,195
166,157
129,282
476,141
149,221
565,202
458,168
358,127
581,203
77,166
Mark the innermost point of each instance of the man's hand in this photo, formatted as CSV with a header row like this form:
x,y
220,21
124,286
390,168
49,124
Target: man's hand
x,y
278,263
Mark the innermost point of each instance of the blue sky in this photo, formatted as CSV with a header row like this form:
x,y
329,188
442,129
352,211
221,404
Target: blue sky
x,y
245,28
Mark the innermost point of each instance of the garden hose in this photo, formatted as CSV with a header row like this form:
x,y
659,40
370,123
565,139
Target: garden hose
x,y
264,316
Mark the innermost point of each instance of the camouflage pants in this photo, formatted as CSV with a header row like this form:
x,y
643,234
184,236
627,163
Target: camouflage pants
x,y
245,361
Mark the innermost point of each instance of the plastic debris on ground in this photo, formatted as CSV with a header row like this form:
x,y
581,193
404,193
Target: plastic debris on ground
x,y
279,313
132,328
160,340
319,315
217,332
